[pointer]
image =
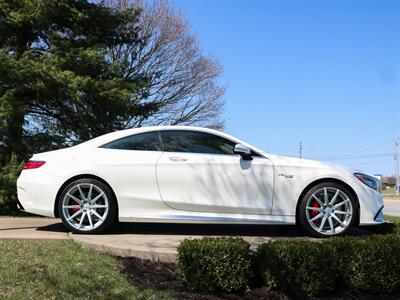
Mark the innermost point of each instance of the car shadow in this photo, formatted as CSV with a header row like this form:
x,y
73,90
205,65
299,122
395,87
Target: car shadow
x,y
203,229
57,227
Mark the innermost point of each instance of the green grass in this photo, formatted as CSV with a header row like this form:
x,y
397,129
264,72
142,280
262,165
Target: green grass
x,y
63,270
396,221
389,191
393,219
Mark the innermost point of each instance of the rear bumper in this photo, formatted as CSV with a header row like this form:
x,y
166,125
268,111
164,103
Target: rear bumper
x,y
37,192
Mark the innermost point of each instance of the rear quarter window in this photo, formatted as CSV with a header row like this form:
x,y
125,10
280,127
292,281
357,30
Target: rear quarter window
x,y
147,141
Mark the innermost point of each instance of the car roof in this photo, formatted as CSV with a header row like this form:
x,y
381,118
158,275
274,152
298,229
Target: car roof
x,y
127,132
109,137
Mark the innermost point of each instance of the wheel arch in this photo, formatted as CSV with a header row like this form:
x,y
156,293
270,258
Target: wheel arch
x,y
76,177
322,180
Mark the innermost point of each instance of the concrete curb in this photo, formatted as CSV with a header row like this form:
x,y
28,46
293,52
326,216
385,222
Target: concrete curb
x,y
152,247
123,251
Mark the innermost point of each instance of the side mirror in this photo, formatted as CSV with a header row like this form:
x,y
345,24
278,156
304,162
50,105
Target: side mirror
x,y
243,151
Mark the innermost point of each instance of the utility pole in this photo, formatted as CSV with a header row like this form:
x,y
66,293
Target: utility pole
x,y
397,166
301,149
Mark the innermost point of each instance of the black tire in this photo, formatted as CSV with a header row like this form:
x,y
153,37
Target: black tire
x,y
111,215
302,211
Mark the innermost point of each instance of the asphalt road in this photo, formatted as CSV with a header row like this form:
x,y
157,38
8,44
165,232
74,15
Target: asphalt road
x,y
392,206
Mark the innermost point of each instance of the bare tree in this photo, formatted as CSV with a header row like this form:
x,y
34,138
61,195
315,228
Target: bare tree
x,y
182,82
389,180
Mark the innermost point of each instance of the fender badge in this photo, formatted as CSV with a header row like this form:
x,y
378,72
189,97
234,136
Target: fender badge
x,y
286,175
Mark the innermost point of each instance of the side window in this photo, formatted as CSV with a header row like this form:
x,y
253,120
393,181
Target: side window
x,y
148,141
195,142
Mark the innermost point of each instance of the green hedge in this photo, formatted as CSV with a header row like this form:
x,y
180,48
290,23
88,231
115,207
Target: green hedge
x,y
305,268
300,268
369,264
215,264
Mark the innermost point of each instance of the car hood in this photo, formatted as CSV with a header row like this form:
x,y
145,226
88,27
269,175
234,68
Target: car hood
x,y
307,163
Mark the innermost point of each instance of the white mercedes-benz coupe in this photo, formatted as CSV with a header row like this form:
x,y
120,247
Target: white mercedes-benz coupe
x,y
193,175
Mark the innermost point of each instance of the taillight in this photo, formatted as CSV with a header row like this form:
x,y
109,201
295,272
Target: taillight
x,y
33,164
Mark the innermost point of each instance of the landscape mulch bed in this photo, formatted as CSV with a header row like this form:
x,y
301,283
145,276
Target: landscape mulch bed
x,y
162,276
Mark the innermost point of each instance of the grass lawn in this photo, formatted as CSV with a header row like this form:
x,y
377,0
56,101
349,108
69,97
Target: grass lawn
x,y
389,191
387,228
63,269
395,220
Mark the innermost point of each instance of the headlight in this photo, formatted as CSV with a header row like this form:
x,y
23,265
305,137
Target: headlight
x,y
370,181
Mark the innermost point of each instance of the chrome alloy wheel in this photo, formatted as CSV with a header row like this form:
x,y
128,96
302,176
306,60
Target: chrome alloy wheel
x,y
329,211
85,206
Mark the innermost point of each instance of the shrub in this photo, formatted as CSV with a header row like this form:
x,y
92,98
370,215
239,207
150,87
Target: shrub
x,y
212,264
8,188
373,265
300,268
342,249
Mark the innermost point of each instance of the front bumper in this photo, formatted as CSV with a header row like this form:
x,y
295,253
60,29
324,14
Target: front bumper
x,y
379,217
19,206
371,206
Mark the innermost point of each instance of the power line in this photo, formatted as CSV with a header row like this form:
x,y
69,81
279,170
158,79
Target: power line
x,y
374,147
303,147
372,162
362,156
356,155
361,151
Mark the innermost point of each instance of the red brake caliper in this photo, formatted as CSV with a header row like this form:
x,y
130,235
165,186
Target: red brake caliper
x,y
74,210
314,212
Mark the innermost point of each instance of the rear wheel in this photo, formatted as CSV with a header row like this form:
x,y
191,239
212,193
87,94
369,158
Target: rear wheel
x,y
87,206
327,209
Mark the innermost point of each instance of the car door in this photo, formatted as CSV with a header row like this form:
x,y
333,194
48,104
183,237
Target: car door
x,y
199,171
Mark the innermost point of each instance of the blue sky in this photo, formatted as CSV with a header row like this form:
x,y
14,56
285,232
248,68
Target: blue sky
x,y
322,72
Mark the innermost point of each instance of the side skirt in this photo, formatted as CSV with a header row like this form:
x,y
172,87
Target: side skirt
x,y
242,219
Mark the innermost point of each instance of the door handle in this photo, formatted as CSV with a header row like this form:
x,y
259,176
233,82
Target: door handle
x,y
175,158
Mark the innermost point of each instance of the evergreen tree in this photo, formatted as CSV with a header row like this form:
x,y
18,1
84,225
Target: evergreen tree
x,y
57,84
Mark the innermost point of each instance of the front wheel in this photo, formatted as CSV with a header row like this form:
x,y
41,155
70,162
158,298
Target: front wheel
x,y
87,206
327,209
